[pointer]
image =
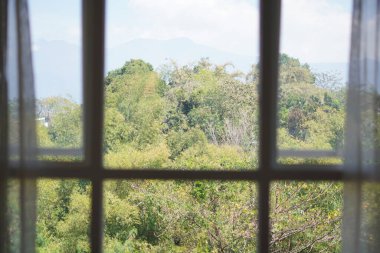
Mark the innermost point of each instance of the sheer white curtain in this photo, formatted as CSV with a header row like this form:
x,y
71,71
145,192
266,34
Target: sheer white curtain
x,y
19,121
361,223
3,127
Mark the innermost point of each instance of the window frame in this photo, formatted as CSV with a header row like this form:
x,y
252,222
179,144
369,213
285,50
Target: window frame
x,y
93,24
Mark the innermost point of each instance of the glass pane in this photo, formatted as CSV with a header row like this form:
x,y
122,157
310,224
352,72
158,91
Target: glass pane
x,y
180,216
306,216
369,217
57,62
63,216
181,87
13,216
315,37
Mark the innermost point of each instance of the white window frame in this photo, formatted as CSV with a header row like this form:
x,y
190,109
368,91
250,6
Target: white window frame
x,y
92,169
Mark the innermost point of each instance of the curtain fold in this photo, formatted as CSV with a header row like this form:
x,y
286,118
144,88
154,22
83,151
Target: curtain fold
x,y
20,125
361,218
3,128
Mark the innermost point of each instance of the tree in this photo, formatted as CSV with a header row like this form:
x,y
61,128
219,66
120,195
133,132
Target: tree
x,y
197,116
292,71
65,128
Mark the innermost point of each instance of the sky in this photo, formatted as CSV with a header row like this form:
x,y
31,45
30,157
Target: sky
x,y
312,30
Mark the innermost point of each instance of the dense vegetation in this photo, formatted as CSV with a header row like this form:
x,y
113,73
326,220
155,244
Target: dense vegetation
x,y
199,116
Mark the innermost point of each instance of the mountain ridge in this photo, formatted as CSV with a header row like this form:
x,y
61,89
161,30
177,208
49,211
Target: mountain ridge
x,y
61,75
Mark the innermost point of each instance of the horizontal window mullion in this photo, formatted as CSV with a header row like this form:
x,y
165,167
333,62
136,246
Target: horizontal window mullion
x,y
308,168
286,174
71,152
309,153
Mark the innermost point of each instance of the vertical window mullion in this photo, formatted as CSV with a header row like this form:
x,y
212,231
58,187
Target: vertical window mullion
x,y
269,53
93,67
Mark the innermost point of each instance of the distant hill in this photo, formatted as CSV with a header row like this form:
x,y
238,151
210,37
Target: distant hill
x,y
182,50
57,69
58,63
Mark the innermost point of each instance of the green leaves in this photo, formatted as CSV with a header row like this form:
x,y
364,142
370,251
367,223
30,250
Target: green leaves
x,y
179,141
134,66
65,128
199,116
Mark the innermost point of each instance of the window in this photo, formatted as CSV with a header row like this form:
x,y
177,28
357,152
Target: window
x,y
89,153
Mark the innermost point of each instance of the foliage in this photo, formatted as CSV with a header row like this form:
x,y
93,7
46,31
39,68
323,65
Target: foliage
x,y
63,216
197,116
64,117
296,217
156,156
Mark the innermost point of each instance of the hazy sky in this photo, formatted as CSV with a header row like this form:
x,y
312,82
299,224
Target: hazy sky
x,y
312,30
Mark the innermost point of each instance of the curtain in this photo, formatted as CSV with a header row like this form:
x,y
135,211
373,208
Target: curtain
x,y
3,127
361,219
18,128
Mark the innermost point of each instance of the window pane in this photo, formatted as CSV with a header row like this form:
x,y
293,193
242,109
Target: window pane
x,y
312,81
180,216
181,87
57,62
13,216
63,216
306,216
369,217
